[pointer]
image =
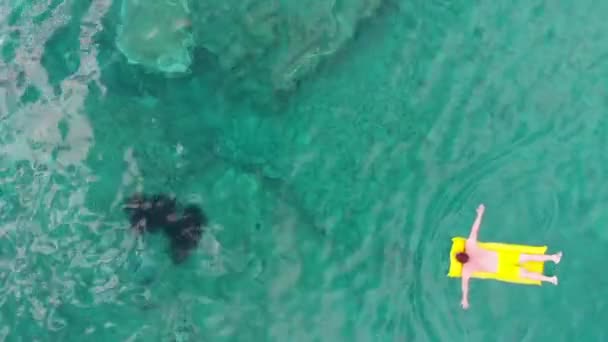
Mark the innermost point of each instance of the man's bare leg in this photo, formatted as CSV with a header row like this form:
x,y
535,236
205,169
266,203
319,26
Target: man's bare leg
x,y
542,258
536,276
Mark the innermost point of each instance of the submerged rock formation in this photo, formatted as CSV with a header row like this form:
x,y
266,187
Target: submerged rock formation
x,y
159,211
156,34
262,46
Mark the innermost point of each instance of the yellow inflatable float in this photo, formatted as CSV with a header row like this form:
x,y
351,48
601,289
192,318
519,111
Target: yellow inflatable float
x,y
508,264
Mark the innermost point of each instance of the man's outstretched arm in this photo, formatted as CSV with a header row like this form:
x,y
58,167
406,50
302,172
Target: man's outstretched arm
x,y
475,228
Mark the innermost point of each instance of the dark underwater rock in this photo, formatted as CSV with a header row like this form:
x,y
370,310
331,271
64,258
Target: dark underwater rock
x,y
151,213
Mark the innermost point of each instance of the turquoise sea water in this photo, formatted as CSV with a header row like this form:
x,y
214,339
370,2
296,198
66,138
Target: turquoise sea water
x,y
332,199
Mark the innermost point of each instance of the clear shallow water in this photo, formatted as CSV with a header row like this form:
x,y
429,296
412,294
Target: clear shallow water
x,y
332,205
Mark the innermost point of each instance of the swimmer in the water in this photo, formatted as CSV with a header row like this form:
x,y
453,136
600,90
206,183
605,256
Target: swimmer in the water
x,y
476,259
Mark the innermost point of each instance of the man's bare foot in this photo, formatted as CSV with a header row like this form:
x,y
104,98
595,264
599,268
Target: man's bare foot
x,y
553,280
557,257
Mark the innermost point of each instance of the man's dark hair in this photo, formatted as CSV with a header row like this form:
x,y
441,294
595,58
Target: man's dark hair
x,y
462,257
